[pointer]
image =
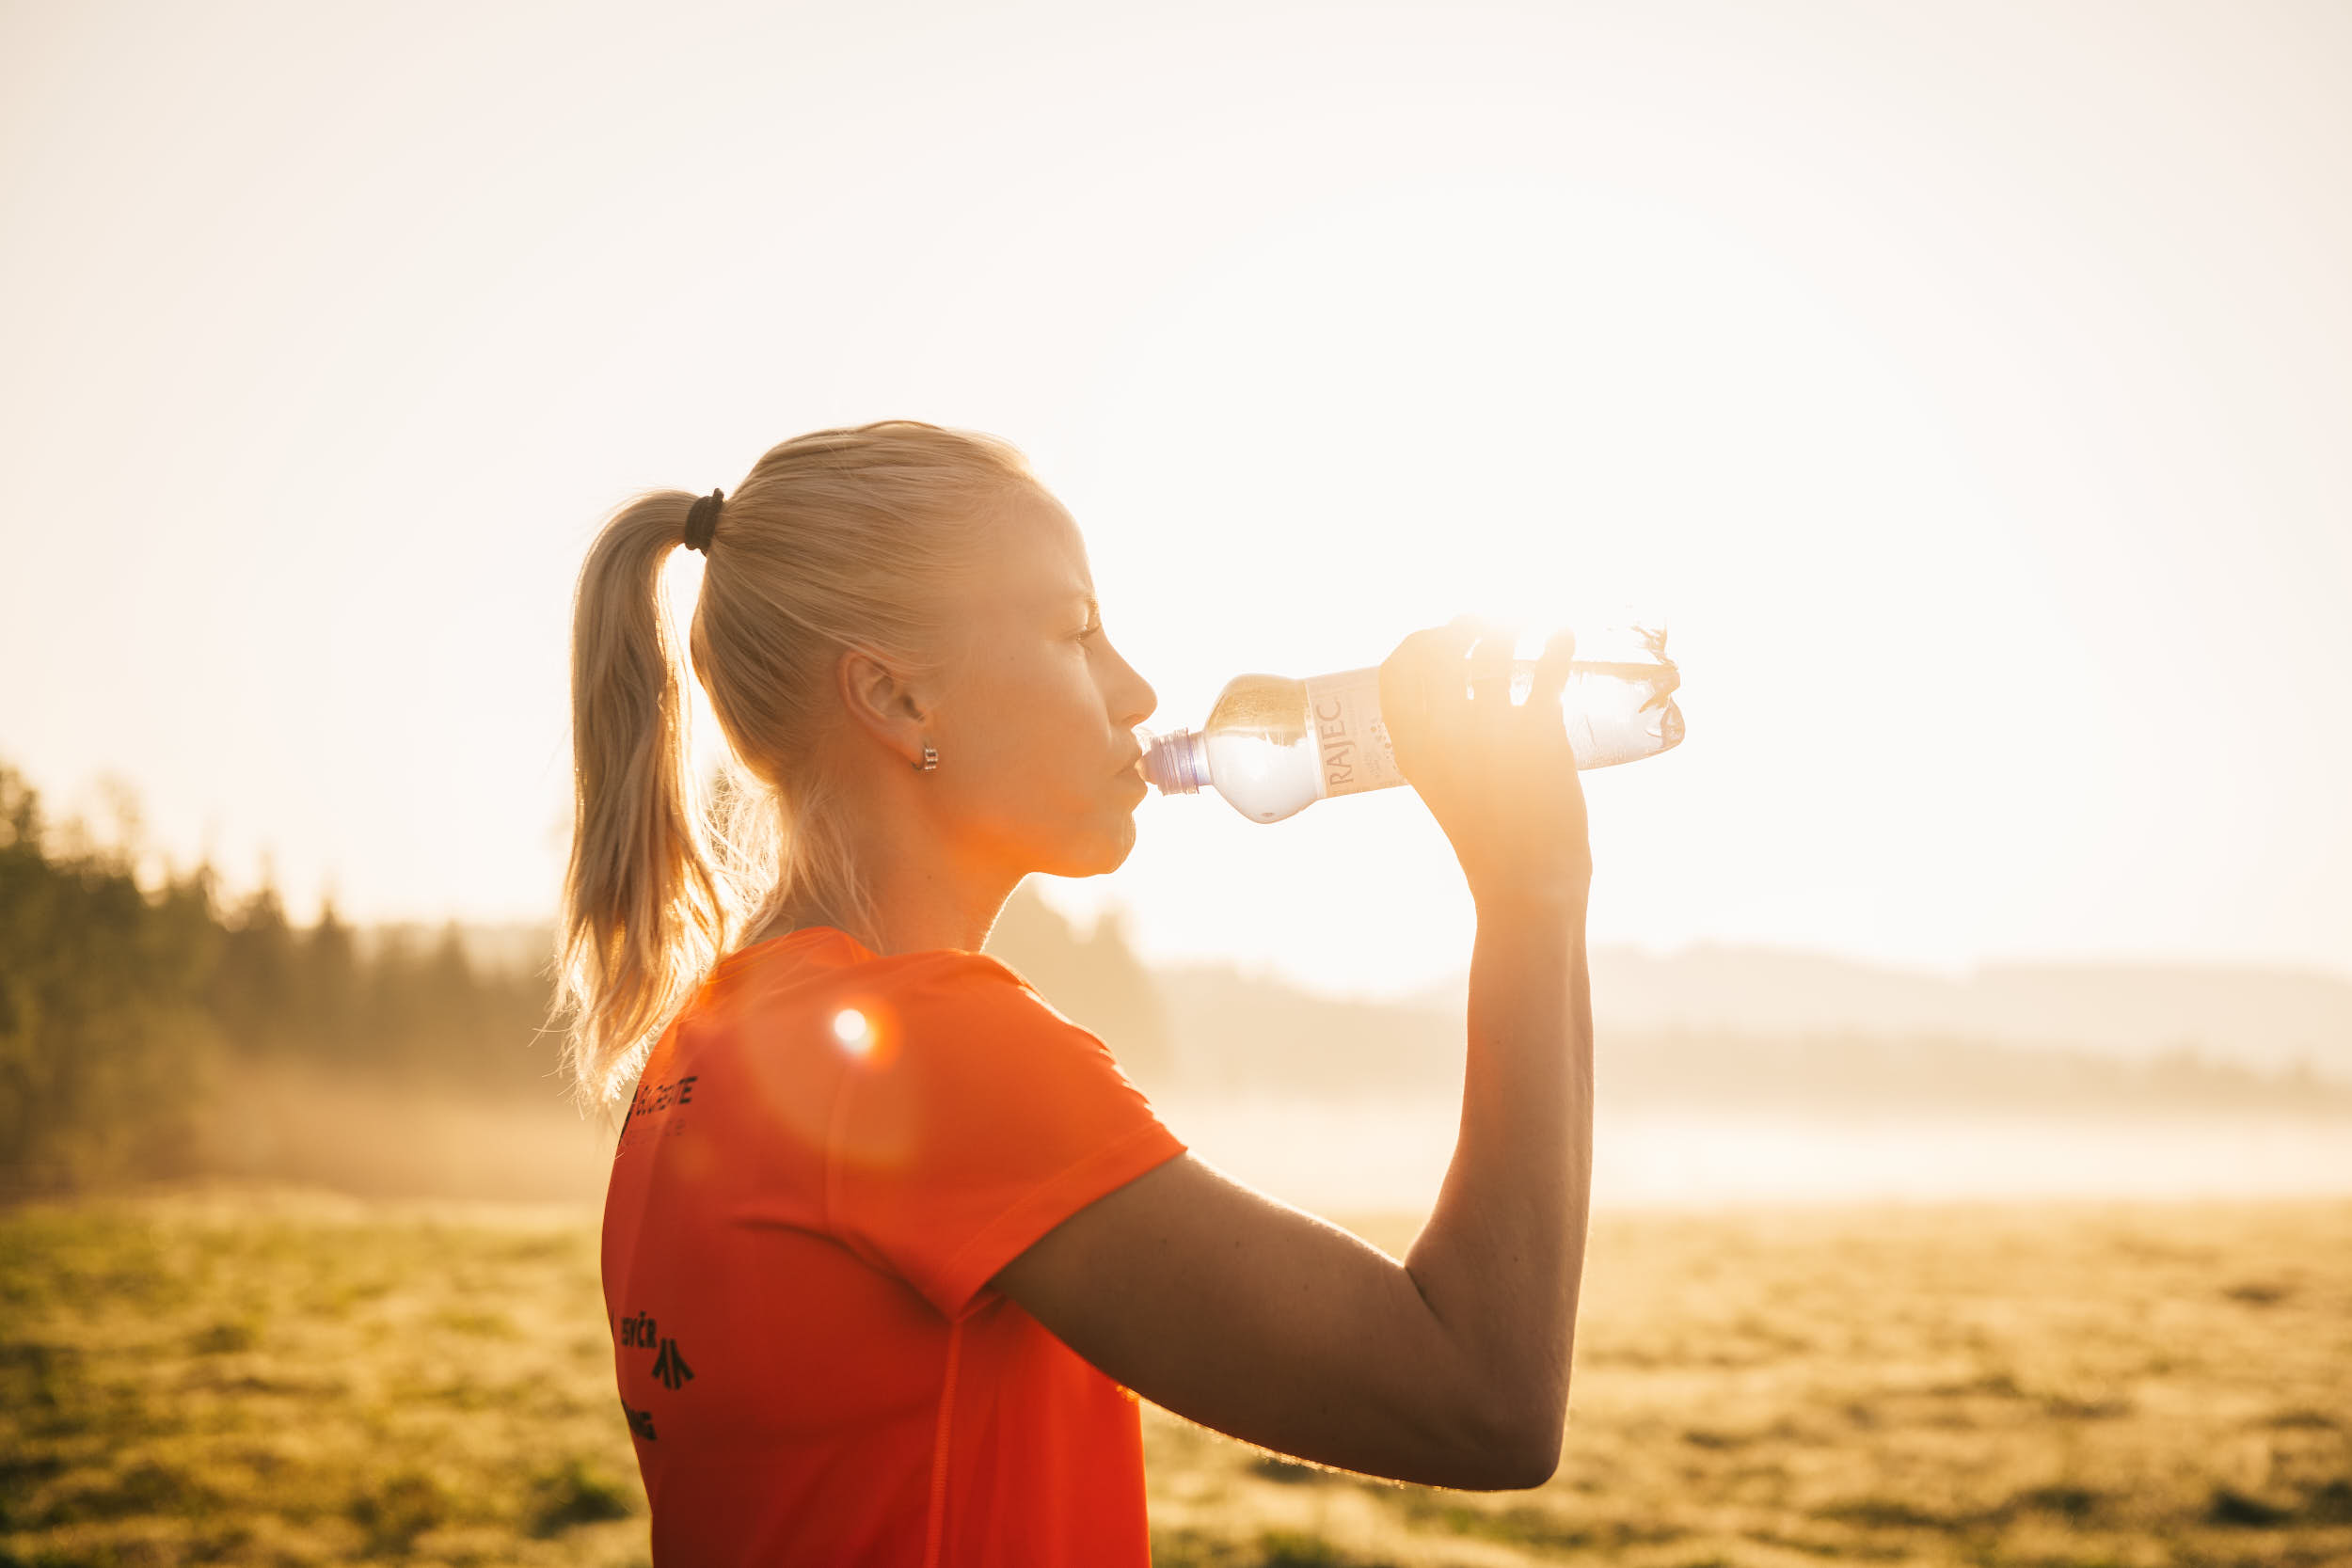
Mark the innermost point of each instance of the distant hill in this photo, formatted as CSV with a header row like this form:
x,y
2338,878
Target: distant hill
x,y
2266,1019
1239,1034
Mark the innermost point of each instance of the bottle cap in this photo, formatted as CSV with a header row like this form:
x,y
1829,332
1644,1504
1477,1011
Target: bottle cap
x,y
1176,763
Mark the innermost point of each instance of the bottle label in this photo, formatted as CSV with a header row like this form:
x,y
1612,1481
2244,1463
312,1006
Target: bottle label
x,y
1351,743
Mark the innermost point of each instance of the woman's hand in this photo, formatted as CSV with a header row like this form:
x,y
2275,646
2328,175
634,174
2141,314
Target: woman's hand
x,y
1500,777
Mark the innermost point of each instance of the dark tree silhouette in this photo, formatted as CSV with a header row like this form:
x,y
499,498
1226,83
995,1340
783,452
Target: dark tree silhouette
x,y
329,988
255,989
104,1044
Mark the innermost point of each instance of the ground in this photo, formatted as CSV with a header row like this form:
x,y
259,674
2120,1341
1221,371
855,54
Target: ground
x,y
256,1376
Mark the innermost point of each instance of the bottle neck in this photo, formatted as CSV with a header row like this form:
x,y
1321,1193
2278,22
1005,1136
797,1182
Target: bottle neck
x,y
1177,762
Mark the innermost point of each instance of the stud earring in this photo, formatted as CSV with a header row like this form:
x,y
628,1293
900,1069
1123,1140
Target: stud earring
x,y
929,762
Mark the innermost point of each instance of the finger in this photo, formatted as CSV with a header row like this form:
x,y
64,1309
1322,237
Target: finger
x,y
1445,683
1552,668
1494,642
1420,651
1413,689
1458,636
1490,666
1428,636
1408,675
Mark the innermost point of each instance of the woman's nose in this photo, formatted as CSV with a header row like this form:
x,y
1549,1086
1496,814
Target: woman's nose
x,y
1140,693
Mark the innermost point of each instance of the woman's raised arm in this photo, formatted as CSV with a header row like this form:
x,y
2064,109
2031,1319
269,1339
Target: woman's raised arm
x,y
1450,1368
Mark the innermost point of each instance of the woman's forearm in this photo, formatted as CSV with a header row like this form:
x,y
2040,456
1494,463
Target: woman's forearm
x,y
1501,1258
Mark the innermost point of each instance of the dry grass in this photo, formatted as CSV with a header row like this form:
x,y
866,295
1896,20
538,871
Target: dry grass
x,y
300,1379
257,1377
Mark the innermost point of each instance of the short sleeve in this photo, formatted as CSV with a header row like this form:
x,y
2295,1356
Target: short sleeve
x,y
981,1119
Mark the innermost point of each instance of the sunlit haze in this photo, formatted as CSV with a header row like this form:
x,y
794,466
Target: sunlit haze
x,y
1967,385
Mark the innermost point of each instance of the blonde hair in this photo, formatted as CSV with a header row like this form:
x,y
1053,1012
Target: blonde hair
x,y
858,537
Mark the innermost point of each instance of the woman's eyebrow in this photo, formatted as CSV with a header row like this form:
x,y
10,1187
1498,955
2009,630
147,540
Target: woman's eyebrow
x,y
1070,597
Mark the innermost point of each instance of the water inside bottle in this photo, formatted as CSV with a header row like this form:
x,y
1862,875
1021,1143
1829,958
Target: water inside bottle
x,y
1259,755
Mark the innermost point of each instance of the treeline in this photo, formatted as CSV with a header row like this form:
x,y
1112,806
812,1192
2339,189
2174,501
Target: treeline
x,y
126,1012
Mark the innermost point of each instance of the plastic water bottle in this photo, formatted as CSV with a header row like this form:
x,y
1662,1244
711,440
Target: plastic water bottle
x,y
1273,745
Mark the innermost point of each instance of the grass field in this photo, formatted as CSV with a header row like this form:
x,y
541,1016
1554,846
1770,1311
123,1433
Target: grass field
x,y
288,1378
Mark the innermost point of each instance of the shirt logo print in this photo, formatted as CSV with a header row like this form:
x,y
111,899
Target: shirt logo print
x,y
638,1331
656,1100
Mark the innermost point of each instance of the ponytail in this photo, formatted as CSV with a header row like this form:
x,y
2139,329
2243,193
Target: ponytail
x,y
646,912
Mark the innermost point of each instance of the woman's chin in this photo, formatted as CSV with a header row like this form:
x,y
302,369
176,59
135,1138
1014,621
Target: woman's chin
x,y
1102,853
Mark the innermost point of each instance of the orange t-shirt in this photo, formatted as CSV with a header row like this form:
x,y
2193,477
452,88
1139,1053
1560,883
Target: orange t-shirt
x,y
829,1153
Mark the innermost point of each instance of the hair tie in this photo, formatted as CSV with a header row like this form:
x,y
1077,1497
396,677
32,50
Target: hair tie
x,y
701,519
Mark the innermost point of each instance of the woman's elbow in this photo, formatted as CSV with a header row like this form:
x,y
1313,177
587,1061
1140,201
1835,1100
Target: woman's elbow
x,y
1533,1467
1526,1457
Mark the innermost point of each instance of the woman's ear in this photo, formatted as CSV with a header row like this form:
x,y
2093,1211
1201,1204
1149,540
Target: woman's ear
x,y
882,702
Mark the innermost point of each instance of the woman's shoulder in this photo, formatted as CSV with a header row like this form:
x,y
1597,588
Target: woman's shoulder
x,y
958,972
952,992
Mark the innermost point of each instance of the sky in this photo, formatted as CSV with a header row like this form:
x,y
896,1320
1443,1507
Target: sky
x,y
1967,385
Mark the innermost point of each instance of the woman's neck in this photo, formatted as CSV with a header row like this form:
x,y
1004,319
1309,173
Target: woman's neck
x,y
925,888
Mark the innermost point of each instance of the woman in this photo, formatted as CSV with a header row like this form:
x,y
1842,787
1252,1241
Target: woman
x,y
890,1245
